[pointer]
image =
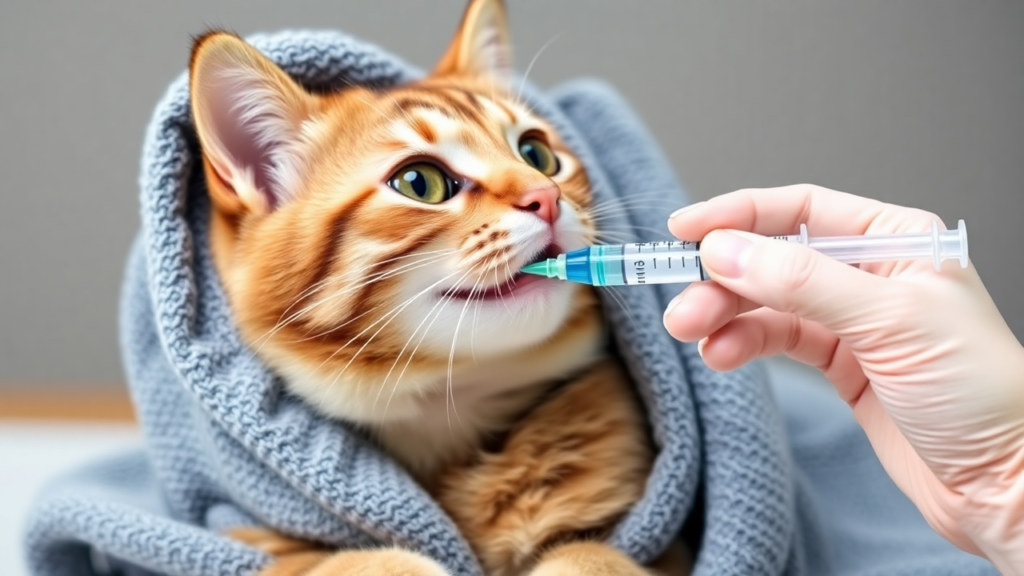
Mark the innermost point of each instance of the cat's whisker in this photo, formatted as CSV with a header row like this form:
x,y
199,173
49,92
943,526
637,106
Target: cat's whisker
x,y
316,287
633,208
404,269
393,314
439,307
522,83
451,359
378,276
501,297
626,212
322,284
630,208
508,281
411,336
615,238
383,276
650,194
476,310
612,214
615,296
347,274
630,230
589,235
658,234
655,193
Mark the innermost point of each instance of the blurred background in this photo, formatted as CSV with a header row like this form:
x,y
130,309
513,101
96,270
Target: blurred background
x,y
915,102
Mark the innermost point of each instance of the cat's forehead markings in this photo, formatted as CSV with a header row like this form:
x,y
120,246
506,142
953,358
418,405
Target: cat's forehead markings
x,y
493,113
440,100
424,128
443,124
448,146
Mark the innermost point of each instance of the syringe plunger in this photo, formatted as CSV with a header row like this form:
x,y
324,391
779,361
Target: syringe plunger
x,y
937,244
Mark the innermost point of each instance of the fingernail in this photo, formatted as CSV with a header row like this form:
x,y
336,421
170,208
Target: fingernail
x,y
672,305
726,253
700,346
693,206
672,308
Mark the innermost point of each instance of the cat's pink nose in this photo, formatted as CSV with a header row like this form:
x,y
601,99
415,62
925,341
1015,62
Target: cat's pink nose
x,y
543,202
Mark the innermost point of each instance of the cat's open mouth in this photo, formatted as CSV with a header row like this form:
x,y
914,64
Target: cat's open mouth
x,y
506,287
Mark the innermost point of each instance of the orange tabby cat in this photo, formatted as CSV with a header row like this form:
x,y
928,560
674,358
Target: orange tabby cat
x,y
368,242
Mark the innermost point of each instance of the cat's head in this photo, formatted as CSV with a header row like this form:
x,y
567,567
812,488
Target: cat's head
x,y
370,241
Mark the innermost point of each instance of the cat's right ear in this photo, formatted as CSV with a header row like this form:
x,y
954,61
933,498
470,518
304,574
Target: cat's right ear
x,y
249,117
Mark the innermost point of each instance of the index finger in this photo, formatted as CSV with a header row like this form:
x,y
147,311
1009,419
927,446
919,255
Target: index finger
x,y
777,211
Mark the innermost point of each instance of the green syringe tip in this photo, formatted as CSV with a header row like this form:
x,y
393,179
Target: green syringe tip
x,y
547,268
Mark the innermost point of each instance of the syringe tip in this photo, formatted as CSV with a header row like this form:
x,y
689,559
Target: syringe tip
x,y
546,268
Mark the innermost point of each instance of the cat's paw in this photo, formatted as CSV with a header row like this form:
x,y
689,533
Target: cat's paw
x,y
270,542
381,562
587,559
300,558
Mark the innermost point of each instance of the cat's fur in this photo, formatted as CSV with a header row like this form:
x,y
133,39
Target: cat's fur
x,y
406,318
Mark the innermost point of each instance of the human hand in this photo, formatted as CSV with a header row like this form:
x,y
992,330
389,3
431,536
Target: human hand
x,y
929,366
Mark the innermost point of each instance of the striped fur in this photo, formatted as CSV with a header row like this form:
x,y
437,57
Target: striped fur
x,y
368,303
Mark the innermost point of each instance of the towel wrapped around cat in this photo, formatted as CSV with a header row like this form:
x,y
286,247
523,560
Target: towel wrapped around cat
x,y
761,491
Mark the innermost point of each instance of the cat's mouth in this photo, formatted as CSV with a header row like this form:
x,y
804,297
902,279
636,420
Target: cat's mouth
x,y
508,286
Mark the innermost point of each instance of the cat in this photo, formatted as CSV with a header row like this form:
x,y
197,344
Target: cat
x,y
368,242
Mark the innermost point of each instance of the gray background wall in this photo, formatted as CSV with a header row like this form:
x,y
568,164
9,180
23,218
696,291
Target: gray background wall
x,y
917,102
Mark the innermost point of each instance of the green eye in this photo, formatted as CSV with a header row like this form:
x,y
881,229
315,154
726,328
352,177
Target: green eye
x,y
539,155
423,182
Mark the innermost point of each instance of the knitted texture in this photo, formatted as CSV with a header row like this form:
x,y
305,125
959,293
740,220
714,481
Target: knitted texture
x,y
225,445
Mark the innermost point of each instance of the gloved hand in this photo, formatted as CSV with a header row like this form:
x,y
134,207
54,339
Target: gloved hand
x,y
925,360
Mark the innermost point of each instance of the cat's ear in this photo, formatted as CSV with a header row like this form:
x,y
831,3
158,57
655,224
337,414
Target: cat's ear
x,y
481,45
249,116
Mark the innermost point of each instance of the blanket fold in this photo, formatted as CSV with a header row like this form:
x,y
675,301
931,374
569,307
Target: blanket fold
x,y
225,445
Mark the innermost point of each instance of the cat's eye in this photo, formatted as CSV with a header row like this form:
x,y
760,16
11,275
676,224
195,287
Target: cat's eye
x,y
538,154
424,182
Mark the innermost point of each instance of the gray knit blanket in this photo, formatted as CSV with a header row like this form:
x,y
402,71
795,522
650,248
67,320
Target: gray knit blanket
x,y
762,490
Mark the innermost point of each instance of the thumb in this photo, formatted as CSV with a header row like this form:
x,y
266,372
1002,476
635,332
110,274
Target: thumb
x,y
792,278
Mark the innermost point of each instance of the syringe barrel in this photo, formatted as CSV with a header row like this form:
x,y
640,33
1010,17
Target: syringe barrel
x,y
633,264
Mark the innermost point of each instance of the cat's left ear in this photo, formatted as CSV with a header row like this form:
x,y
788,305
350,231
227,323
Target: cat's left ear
x,y
481,45
249,117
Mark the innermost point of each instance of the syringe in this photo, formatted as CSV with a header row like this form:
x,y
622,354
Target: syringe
x,y
679,262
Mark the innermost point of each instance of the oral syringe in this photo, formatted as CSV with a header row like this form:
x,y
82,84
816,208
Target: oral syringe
x,y
679,262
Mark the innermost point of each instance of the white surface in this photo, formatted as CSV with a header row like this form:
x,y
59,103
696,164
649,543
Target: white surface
x,y
32,453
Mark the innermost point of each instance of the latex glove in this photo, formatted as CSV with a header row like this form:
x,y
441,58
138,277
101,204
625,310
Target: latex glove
x,y
930,368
